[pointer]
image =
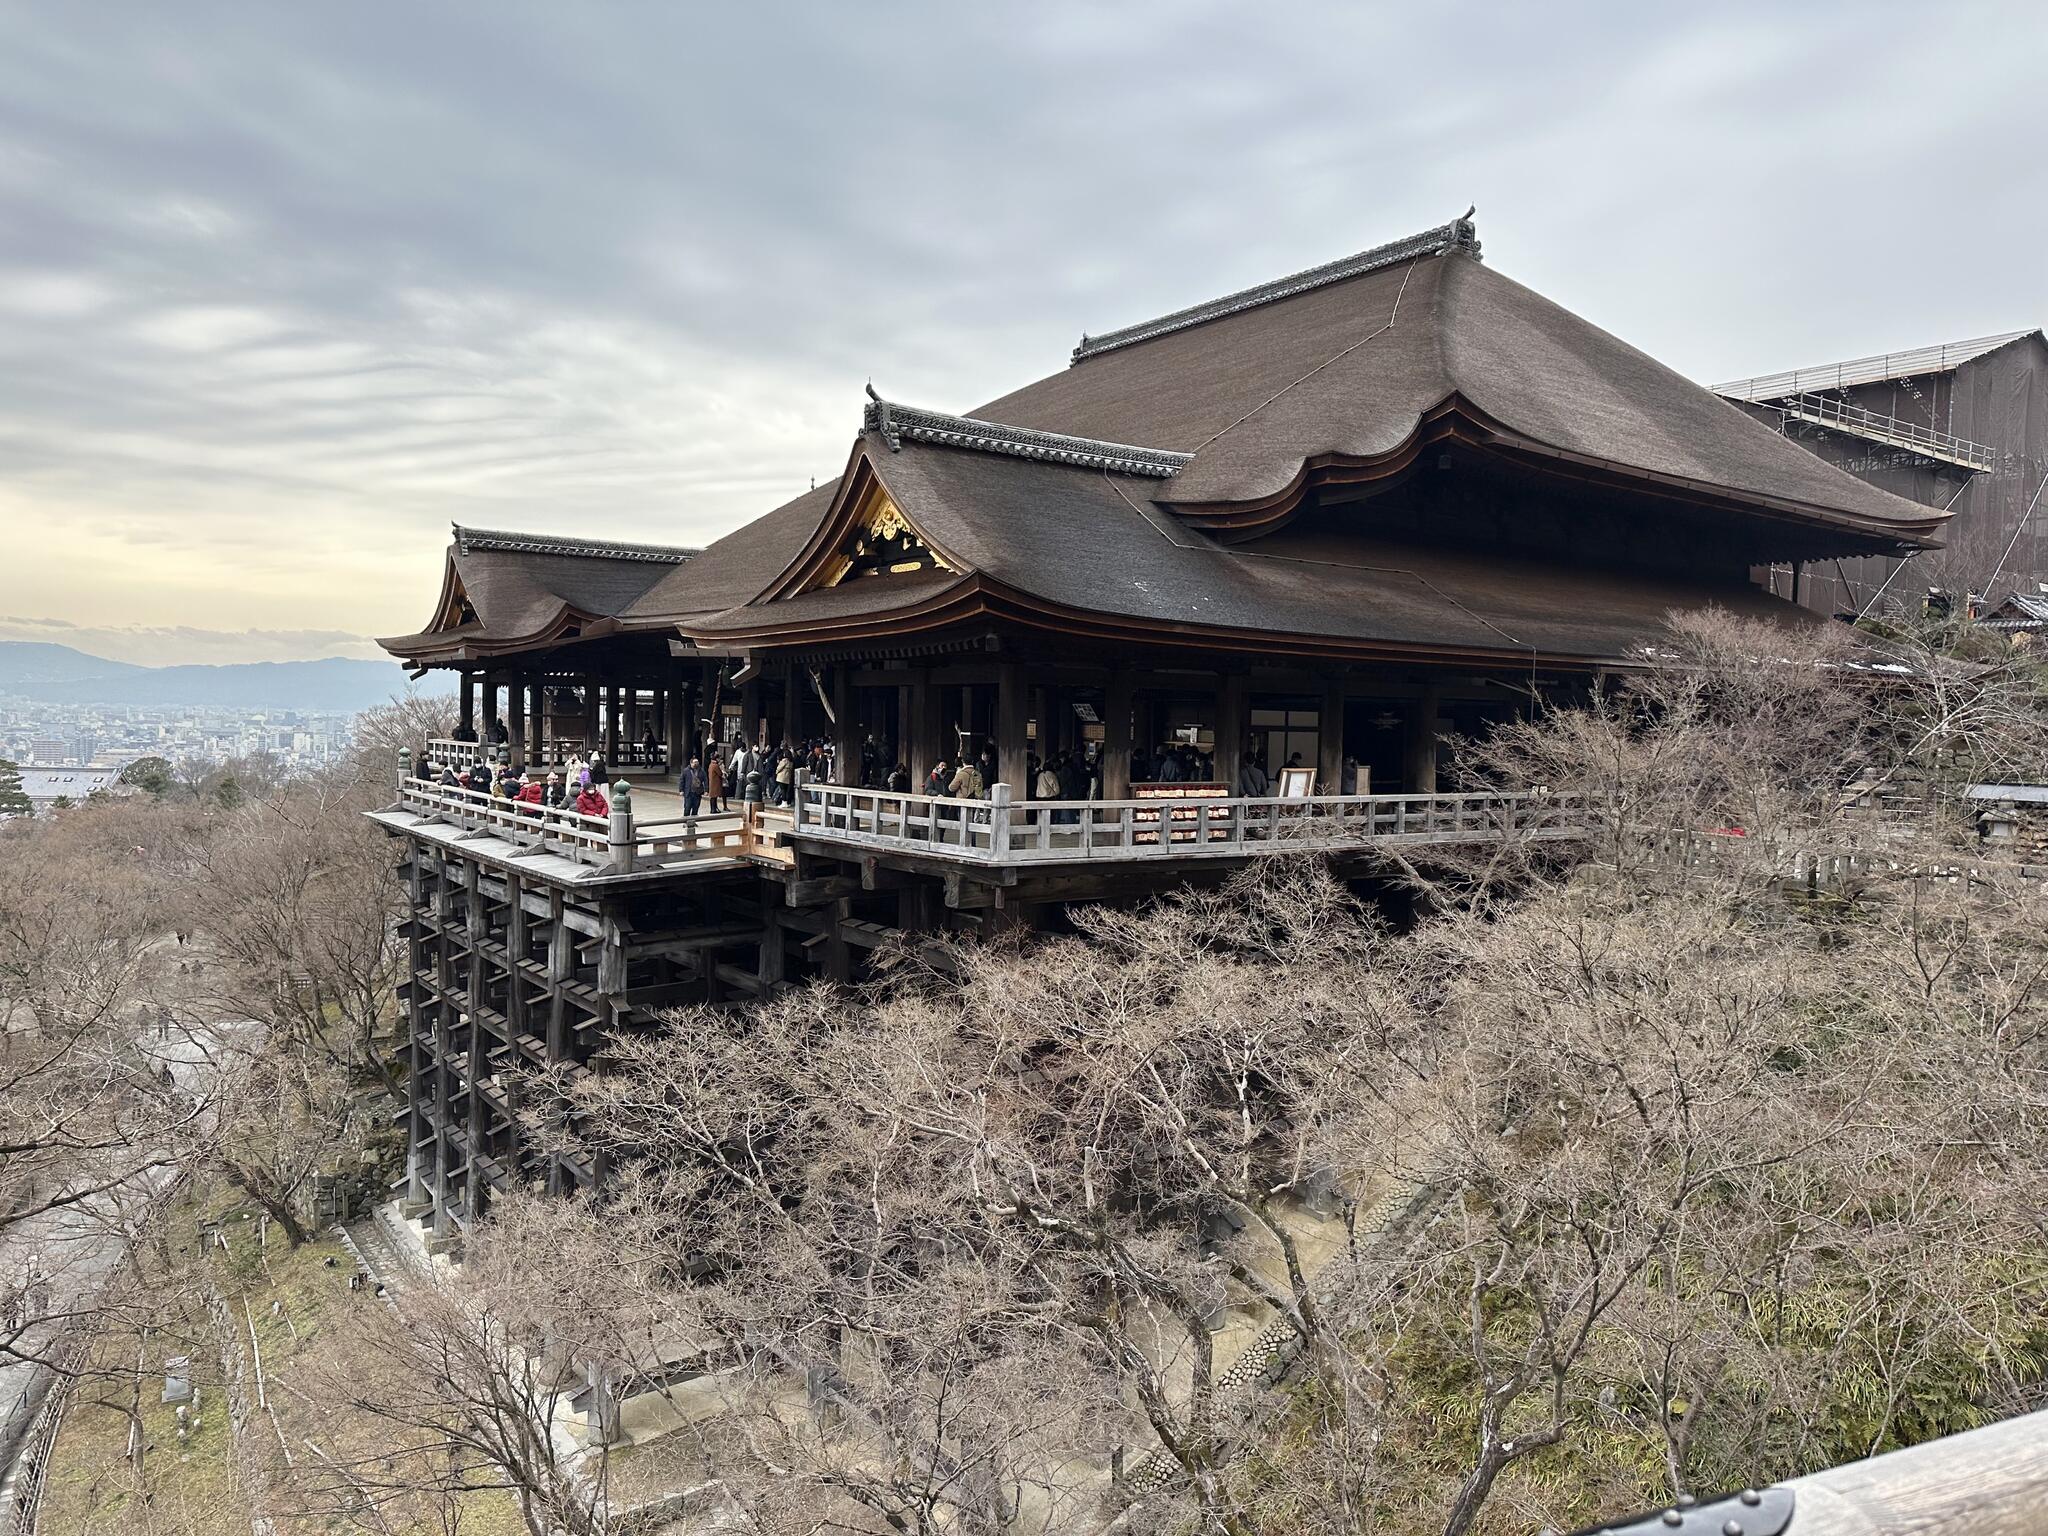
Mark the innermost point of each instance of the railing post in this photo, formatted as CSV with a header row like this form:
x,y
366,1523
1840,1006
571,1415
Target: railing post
x,y
404,769
999,821
619,842
801,778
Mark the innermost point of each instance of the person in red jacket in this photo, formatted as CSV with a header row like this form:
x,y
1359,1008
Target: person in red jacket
x,y
531,791
592,802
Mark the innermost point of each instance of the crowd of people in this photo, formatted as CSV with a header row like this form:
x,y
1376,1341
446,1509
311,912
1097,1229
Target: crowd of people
x,y
578,785
741,775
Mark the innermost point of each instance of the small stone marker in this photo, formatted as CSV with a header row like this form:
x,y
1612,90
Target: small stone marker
x,y
178,1380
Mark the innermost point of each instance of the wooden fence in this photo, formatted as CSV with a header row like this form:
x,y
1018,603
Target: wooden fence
x,y
1000,830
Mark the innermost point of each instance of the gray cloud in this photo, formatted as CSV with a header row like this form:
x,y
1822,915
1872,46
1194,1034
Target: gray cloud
x,y
283,290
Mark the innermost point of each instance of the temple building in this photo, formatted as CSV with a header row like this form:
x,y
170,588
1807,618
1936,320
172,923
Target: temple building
x,y
1238,575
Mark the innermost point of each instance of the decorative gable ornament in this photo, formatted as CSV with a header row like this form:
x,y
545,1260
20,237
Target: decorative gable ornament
x,y
884,543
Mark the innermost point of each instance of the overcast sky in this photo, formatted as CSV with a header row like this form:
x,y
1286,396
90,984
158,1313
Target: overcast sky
x,y
286,289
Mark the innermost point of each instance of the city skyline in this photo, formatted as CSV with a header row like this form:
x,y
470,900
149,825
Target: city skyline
x,y
283,294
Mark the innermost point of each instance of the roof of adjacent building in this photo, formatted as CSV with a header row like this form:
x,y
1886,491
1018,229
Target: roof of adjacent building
x,y
1097,490
2020,610
45,784
1913,363
503,590
2018,794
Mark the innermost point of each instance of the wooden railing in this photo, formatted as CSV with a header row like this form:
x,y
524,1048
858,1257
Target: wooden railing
x,y
455,754
1001,831
617,843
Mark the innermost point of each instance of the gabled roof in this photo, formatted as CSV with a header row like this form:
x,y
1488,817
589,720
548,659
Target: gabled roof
x,y
1269,396
505,591
1078,551
1085,499
1914,363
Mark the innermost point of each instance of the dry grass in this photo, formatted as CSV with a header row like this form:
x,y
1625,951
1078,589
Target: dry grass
x,y
305,1323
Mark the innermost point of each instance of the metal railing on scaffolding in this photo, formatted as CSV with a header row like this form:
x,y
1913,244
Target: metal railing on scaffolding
x,y
1840,416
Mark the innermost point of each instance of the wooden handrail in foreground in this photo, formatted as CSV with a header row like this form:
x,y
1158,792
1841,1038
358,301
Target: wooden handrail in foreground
x,y
1984,1482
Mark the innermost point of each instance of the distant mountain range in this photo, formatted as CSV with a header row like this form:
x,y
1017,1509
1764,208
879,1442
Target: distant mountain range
x,y
57,674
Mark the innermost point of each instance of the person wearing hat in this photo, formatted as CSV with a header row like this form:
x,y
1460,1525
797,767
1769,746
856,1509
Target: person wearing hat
x,y
552,794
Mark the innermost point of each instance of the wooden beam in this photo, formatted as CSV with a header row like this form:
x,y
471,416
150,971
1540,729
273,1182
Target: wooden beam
x,y
963,894
874,877
809,893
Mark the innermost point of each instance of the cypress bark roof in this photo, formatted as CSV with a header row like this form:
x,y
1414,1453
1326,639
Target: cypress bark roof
x,y
1064,547
1347,369
506,591
1087,492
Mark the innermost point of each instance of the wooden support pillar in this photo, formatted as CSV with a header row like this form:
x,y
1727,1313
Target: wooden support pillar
x,y
590,716
751,723
1231,717
515,721
838,953
468,705
845,728
1013,704
611,724
774,956
707,729
537,721
1330,738
924,726
675,710
611,958
1419,747
1116,736
515,952
917,907
488,686
561,970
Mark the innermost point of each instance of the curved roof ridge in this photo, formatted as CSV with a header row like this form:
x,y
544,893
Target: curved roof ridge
x,y
896,422
1461,234
469,540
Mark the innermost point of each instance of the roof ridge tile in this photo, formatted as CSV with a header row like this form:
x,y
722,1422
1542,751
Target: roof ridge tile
x,y
1460,234
897,422
468,540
